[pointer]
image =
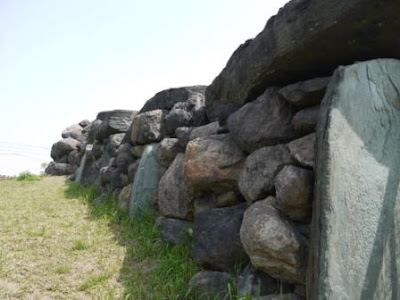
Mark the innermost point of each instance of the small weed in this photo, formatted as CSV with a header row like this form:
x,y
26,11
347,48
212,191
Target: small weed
x,y
92,281
27,176
62,269
80,245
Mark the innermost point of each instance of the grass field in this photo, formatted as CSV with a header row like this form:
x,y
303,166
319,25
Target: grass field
x,y
55,244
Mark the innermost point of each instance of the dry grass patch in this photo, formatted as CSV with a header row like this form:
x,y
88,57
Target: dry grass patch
x,y
51,247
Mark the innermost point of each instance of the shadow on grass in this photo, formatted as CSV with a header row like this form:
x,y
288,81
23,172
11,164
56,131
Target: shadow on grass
x,y
152,269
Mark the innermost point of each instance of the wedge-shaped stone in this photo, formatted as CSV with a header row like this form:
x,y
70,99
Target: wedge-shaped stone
x,y
356,219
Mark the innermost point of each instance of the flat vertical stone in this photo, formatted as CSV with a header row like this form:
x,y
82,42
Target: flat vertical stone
x,y
355,250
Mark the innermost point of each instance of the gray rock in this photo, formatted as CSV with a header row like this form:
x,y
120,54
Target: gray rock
x,y
205,130
177,117
115,121
147,127
183,135
303,150
138,150
63,160
64,147
97,150
84,123
74,131
263,122
114,142
306,120
92,130
204,203
228,199
174,197
124,158
60,169
210,285
305,39
256,179
174,231
213,164
306,93
294,192
124,198
356,219
272,243
132,168
165,100
254,283
74,158
169,148
216,240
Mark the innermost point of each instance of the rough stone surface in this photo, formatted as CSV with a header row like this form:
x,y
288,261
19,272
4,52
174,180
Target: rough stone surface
x,y
205,130
228,199
74,131
177,117
183,135
115,121
166,99
147,127
145,186
294,191
303,150
305,93
213,164
216,240
132,168
356,218
114,142
91,130
174,196
74,158
306,39
174,231
263,122
210,285
124,197
59,169
305,121
124,158
254,283
169,148
256,179
64,147
272,243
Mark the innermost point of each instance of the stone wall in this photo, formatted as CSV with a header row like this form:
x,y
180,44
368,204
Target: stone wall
x,y
233,163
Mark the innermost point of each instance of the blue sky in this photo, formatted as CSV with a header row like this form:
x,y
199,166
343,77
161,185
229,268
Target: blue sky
x,y
64,61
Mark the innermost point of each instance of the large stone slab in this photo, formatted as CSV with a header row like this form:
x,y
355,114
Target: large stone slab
x,y
356,219
306,39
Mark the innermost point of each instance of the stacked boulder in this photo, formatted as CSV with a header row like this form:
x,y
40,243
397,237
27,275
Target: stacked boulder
x,y
232,164
68,151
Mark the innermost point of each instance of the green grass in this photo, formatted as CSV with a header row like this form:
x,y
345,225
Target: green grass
x,y
27,176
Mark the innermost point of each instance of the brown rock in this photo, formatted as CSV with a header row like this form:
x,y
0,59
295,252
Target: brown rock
x,y
213,164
